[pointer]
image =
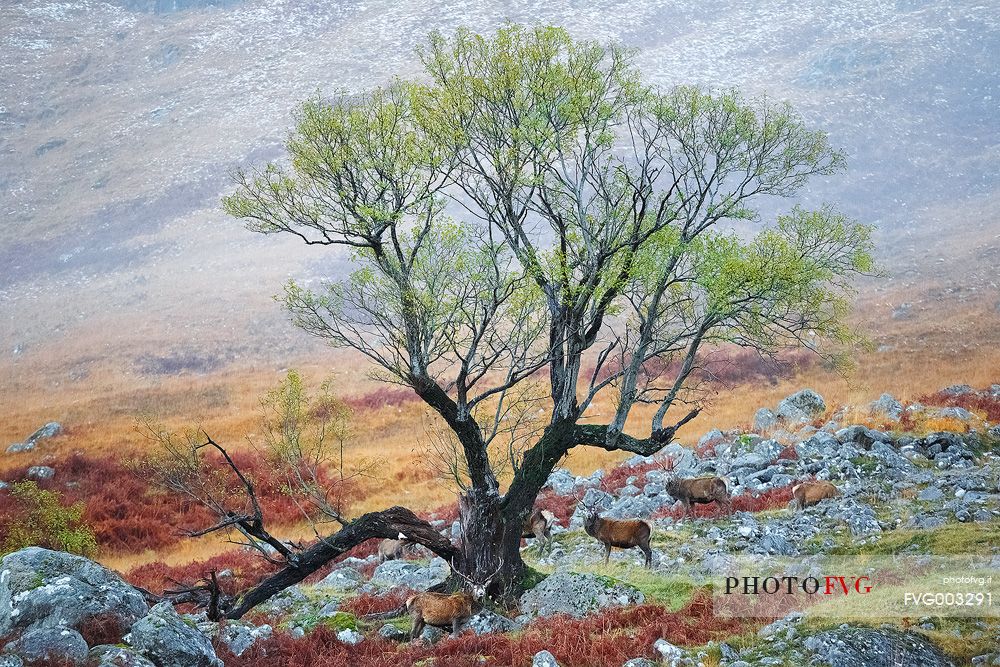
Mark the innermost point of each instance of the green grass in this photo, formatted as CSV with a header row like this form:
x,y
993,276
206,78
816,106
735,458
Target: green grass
x,y
950,539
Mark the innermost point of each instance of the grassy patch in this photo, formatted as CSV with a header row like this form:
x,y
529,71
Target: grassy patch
x,y
958,538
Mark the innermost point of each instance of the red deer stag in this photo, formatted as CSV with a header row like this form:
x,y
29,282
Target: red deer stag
x,y
621,533
443,610
810,493
700,490
539,525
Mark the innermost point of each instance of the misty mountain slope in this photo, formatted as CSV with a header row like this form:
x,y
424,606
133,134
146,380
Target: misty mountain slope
x,y
119,123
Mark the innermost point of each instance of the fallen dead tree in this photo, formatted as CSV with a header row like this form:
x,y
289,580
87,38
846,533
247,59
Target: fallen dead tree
x,y
179,472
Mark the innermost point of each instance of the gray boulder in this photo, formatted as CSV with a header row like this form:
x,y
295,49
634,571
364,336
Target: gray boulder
x,y
764,420
802,406
50,430
633,507
41,472
639,662
668,653
544,659
169,641
773,544
683,458
931,493
577,594
10,660
392,633
562,482
486,622
393,573
40,588
343,579
861,436
958,390
850,646
239,636
116,656
49,646
888,406
349,636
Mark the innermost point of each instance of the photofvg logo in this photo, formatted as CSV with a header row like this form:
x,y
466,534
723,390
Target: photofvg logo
x,y
857,587
788,585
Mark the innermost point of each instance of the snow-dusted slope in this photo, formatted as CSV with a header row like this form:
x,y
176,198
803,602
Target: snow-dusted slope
x,y
118,127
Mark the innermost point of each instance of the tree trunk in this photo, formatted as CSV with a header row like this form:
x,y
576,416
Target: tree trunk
x,y
489,550
492,526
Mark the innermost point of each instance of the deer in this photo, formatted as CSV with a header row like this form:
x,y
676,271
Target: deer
x,y
810,493
621,533
393,549
539,525
699,490
443,610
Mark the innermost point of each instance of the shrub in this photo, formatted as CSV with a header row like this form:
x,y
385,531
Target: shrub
x,y
607,639
383,397
32,516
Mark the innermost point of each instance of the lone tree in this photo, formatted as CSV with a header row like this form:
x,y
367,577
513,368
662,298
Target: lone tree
x,y
530,211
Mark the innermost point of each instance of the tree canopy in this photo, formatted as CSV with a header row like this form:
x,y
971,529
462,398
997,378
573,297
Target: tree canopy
x,y
530,208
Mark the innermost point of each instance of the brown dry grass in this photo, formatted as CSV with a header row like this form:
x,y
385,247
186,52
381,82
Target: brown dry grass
x,y
952,337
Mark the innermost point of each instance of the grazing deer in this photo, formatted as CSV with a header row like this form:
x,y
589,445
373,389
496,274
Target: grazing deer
x,y
810,493
443,610
700,490
621,533
393,549
539,525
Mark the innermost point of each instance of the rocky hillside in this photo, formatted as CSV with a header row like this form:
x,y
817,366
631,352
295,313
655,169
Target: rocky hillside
x,y
919,480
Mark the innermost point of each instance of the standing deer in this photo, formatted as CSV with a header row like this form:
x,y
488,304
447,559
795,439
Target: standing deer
x,y
621,533
700,490
393,549
539,525
810,493
443,610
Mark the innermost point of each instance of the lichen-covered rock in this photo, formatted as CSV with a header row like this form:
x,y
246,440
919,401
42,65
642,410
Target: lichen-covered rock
x,y
40,472
343,579
349,636
851,646
544,659
49,646
486,622
562,482
392,633
116,656
888,406
667,652
50,430
395,573
40,588
239,636
764,420
801,406
577,594
170,641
